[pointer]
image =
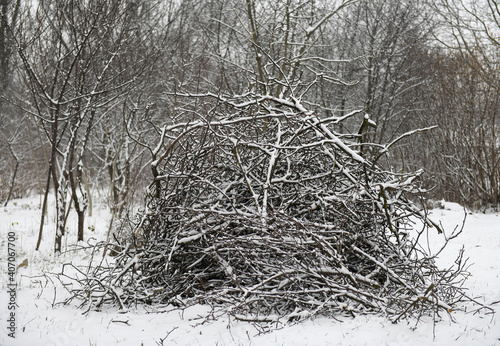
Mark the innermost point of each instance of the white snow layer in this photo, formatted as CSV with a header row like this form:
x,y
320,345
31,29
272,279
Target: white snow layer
x,y
39,322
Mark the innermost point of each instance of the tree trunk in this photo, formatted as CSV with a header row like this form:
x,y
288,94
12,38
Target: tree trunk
x,y
81,224
13,175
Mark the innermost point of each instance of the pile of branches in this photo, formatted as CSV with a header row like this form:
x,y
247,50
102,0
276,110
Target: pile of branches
x,y
261,207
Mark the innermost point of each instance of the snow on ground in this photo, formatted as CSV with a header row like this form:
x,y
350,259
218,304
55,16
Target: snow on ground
x,y
39,322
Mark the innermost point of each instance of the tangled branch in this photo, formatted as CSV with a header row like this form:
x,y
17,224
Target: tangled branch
x,y
260,206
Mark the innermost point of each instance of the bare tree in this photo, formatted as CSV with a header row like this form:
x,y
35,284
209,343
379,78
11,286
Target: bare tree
x,y
464,153
10,131
79,63
9,15
466,99
390,34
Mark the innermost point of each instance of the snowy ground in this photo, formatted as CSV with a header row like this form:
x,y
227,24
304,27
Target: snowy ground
x,y
39,322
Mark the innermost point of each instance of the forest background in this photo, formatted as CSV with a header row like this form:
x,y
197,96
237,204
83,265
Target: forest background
x,y
88,87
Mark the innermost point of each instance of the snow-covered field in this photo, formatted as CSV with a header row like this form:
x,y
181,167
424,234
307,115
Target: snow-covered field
x,y
39,322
